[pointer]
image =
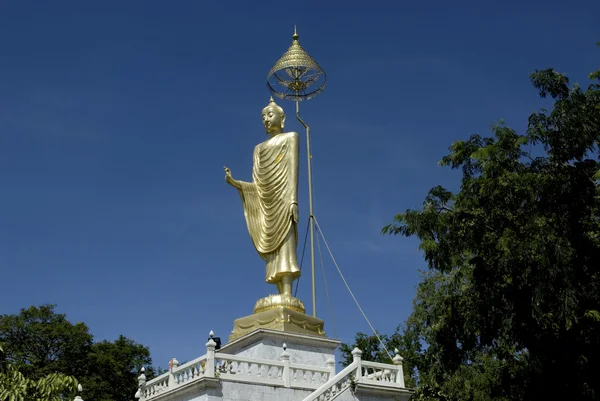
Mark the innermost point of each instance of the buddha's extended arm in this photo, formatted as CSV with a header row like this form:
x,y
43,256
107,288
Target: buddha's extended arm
x,y
231,181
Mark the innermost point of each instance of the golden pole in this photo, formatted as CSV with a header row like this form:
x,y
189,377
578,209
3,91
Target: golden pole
x,y
310,210
307,81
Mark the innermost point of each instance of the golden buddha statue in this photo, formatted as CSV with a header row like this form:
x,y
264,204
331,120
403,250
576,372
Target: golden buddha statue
x,y
270,201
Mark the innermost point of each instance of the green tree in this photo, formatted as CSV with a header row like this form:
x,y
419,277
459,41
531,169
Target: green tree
x,y
14,386
120,361
509,309
39,342
431,338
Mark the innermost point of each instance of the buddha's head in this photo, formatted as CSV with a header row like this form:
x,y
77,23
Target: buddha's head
x,y
273,118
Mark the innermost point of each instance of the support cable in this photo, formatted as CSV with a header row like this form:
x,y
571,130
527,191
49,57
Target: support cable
x,y
302,258
326,286
350,291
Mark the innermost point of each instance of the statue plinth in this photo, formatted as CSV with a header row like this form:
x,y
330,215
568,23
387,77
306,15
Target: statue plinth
x,y
279,300
278,312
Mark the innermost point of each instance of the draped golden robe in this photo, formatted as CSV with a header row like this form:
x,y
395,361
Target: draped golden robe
x,y
267,204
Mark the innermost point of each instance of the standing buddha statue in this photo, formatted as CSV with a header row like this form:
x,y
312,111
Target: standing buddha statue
x,y
270,201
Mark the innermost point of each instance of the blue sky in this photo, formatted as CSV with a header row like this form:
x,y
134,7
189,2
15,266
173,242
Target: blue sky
x,y
116,119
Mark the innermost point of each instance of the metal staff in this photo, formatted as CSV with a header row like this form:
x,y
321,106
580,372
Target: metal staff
x,y
297,76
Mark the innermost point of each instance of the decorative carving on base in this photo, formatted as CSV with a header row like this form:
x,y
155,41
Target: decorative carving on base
x,y
279,300
278,318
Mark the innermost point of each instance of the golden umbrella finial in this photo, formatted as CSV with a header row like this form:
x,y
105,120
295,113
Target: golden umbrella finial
x,y
303,70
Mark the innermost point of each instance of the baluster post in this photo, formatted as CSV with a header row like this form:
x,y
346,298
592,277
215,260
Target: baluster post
x,y
79,389
400,373
286,376
141,385
209,371
357,357
330,364
173,363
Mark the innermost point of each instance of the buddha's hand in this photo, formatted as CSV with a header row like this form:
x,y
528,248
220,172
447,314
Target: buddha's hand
x,y
294,212
229,179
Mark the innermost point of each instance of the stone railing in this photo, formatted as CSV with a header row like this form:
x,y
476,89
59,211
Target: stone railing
x,y
178,376
360,371
250,370
283,373
275,373
382,373
336,385
236,368
305,376
155,387
188,372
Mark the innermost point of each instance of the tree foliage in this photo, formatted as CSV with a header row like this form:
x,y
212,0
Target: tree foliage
x,y
43,349
14,386
119,360
509,309
38,341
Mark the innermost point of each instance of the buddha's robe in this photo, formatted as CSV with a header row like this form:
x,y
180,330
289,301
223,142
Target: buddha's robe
x,y
267,204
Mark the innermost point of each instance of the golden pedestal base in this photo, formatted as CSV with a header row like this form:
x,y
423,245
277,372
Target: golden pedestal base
x,y
278,312
276,301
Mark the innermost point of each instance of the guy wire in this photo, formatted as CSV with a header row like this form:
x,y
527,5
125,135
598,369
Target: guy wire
x,y
326,286
350,291
302,258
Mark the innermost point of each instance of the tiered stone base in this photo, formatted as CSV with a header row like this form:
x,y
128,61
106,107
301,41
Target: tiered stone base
x,y
268,344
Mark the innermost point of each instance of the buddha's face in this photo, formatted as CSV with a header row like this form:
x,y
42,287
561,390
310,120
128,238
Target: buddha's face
x,y
273,120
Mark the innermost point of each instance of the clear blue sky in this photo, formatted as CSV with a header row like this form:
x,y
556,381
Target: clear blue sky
x,y
116,118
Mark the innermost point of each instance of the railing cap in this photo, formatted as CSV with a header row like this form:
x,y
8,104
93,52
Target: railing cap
x,y
79,389
211,344
285,356
397,358
142,376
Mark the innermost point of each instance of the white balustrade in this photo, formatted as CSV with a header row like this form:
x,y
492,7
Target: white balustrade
x,y
357,372
251,370
309,376
180,375
336,385
379,372
383,373
190,371
155,386
240,369
283,373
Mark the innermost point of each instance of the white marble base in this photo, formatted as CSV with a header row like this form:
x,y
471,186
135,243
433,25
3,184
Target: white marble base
x,y
268,344
240,374
232,391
